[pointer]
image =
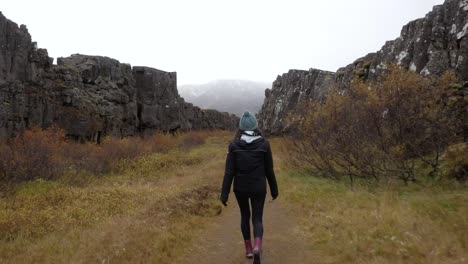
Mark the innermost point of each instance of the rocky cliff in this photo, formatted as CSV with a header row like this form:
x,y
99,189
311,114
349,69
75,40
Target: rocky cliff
x,y
289,90
89,96
430,45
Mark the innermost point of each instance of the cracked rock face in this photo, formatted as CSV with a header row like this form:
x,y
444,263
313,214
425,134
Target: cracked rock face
x,y
89,96
19,58
288,91
429,46
160,106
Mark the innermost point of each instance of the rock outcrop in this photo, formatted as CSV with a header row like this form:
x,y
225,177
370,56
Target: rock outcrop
x,y
429,46
160,106
288,91
89,96
20,60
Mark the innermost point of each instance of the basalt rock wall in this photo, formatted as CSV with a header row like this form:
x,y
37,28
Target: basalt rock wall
x,y
429,46
288,91
89,96
160,106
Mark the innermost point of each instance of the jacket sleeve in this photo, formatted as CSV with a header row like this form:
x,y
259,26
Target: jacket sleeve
x,y
270,173
228,175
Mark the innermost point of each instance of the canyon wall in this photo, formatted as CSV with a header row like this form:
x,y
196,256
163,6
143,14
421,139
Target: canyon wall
x,y
89,96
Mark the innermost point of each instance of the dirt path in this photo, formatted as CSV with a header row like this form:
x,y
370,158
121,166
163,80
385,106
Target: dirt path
x,y
222,242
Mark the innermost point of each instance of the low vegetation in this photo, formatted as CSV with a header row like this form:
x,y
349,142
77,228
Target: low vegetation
x,y
49,155
149,209
148,200
376,222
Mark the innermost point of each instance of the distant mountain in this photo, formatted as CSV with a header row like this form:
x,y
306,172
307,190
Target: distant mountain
x,y
233,96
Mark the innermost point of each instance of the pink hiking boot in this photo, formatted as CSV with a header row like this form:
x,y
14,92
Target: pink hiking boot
x,y
257,250
248,249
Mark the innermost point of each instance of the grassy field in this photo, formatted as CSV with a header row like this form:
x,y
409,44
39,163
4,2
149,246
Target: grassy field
x,y
149,210
378,224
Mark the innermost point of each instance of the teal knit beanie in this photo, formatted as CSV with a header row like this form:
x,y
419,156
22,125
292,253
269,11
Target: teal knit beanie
x,y
248,122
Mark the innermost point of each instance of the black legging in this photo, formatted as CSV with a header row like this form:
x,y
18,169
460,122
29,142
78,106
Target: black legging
x,y
257,202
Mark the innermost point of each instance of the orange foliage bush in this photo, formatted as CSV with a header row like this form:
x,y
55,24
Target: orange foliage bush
x,y
36,153
48,154
193,139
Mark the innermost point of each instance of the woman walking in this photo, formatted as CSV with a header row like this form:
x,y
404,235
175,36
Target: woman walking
x,y
249,164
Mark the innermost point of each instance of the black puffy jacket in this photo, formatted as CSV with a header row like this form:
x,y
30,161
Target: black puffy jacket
x,y
249,165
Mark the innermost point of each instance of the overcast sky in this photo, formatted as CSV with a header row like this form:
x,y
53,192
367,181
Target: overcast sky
x,y
207,40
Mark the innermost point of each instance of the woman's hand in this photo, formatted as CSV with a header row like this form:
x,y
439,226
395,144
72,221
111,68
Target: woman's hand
x,y
274,196
223,200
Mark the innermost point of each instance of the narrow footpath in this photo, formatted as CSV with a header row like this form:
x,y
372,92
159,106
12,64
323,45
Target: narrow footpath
x,y
221,241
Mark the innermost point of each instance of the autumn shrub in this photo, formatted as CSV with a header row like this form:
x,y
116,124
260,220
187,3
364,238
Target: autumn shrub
x,y
113,150
102,158
192,139
48,154
98,159
382,129
36,153
161,142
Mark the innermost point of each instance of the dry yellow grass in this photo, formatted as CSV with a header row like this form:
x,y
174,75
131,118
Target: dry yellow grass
x,y
378,224
146,212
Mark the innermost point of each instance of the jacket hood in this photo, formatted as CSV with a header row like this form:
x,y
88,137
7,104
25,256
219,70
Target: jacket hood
x,y
252,145
249,137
